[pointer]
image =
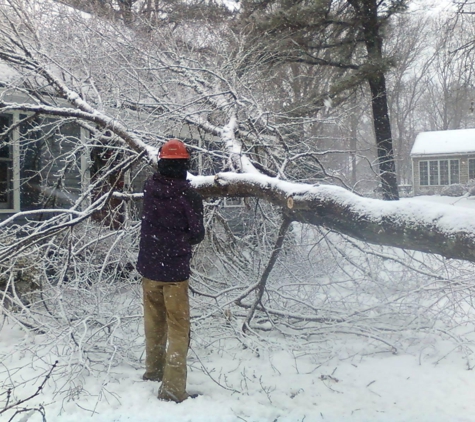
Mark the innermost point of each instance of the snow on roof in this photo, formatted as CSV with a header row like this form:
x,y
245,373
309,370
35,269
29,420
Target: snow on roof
x,y
444,142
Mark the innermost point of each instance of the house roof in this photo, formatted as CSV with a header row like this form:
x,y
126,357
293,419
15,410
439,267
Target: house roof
x,y
444,142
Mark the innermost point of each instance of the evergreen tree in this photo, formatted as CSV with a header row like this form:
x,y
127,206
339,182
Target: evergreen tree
x,y
346,35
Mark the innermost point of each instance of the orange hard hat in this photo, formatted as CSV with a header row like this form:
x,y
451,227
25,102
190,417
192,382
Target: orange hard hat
x,y
174,149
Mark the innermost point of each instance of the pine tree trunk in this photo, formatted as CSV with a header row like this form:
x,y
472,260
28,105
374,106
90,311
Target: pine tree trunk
x,y
382,131
367,11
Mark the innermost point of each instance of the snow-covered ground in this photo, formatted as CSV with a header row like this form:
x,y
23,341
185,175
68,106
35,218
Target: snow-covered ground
x,y
432,384
430,378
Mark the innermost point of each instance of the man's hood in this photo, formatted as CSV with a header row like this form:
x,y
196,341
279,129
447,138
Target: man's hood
x,y
167,187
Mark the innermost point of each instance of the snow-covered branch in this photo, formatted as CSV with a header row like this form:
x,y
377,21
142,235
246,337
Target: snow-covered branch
x,y
91,115
407,224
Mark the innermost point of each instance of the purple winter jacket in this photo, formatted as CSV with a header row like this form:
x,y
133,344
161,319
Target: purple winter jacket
x,y
172,221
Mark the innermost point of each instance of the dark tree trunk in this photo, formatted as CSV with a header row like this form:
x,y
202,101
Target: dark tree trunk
x,y
367,12
384,143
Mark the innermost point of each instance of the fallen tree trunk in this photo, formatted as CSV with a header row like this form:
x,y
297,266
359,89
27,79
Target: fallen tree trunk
x,y
409,224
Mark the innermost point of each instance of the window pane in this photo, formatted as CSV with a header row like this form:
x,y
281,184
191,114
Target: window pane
x,y
424,173
471,168
454,171
5,185
5,148
434,172
6,181
444,172
31,149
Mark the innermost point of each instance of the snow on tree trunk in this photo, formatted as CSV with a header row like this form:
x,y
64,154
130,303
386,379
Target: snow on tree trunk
x,y
409,224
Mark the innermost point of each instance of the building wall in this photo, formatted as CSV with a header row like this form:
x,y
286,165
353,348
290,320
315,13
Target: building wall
x,y
437,189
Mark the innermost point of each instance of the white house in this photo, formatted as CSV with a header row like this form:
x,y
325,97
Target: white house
x,y
442,158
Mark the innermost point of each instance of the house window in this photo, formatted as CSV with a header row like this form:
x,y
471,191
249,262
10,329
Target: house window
x,y
6,164
433,172
424,173
41,163
443,172
471,168
454,171
439,172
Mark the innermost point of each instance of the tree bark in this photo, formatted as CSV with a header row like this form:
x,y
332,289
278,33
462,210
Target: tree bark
x,y
411,224
367,11
382,131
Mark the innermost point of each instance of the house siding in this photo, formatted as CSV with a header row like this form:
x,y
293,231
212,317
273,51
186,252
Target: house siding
x,y
437,189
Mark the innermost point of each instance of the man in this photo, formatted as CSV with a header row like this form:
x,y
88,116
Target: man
x,y
172,221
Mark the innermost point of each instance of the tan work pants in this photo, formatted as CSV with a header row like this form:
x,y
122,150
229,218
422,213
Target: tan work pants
x,y
167,320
